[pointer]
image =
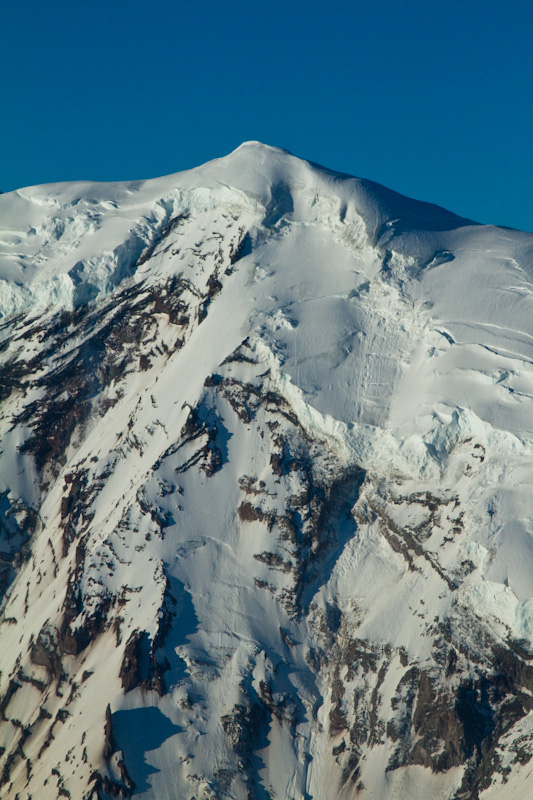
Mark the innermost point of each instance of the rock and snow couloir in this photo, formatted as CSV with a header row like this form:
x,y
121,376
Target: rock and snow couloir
x,y
265,471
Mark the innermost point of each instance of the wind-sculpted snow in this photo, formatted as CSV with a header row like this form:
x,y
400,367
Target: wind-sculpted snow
x,y
264,492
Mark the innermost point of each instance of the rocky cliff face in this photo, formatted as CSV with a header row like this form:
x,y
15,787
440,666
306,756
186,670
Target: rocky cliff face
x,y
264,501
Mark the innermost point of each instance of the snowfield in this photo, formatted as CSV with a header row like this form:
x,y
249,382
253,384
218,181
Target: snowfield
x,y
265,491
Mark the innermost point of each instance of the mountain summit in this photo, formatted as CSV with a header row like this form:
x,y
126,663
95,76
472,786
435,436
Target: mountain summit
x,y
266,518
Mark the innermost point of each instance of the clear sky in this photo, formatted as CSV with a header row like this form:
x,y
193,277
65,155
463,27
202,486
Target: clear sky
x,y
433,99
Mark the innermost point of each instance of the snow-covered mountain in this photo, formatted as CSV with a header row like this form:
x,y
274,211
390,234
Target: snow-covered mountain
x,y
266,507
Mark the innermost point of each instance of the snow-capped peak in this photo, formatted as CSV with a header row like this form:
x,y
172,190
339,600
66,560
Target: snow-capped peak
x,y
264,490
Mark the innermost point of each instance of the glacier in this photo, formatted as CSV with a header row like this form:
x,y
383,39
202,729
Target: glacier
x,y
265,469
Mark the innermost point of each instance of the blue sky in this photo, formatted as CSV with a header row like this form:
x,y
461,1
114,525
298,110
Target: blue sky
x,y
432,99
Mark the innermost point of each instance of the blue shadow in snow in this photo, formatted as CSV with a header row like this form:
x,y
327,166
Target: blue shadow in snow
x,y
184,624
137,731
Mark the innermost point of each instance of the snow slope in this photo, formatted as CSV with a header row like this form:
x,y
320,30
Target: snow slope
x,y
264,490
